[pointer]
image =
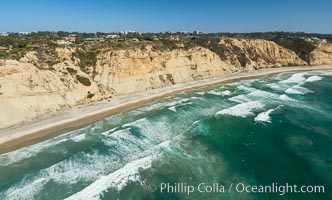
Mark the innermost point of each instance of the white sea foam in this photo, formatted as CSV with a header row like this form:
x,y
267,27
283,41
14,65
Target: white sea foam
x,y
261,93
159,130
242,82
293,90
226,93
195,98
65,172
278,86
68,172
246,88
155,131
295,78
134,123
265,116
215,93
313,78
279,76
274,86
327,73
106,133
284,97
200,93
182,102
239,99
187,103
31,151
78,138
297,90
118,179
125,147
310,79
172,108
222,93
242,110
154,106
25,193
121,139
179,102
157,105
196,122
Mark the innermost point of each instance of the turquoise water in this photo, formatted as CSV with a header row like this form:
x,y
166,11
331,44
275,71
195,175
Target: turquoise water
x,y
272,130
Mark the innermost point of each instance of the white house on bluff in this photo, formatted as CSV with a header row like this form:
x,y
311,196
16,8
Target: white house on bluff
x,y
93,40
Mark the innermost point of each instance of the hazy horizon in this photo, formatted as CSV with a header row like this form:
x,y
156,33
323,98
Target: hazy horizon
x,y
175,31
145,16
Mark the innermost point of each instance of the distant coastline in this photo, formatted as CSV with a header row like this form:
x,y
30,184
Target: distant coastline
x,y
31,132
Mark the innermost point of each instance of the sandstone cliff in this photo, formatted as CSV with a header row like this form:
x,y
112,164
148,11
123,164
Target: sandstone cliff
x,y
257,53
322,55
28,91
129,71
29,88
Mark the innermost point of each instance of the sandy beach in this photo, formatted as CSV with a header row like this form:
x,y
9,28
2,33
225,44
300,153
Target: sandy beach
x,y
40,129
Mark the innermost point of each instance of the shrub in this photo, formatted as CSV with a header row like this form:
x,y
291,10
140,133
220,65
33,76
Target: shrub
x,y
52,62
90,95
88,58
84,80
2,54
301,47
71,70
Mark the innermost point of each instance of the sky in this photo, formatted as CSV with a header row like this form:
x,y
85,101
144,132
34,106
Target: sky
x,y
313,16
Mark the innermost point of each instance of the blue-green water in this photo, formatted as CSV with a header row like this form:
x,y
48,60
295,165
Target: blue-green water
x,y
272,130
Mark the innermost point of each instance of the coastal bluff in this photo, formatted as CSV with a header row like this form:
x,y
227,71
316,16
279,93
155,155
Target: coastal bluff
x,y
29,88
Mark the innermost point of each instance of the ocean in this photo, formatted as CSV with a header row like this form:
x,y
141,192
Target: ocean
x,y
265,138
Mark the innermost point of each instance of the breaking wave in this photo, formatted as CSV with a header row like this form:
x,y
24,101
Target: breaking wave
x,y
242,110
265,116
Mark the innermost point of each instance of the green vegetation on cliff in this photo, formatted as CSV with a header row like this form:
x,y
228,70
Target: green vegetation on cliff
x,y
84,80
87,58
44,43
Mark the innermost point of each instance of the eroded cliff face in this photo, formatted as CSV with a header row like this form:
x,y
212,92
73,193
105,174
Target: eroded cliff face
x,y
129,71
29,89
322,55
257,53
28,92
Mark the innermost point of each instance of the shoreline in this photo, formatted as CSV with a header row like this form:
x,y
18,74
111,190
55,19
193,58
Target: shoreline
x,y
37,130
